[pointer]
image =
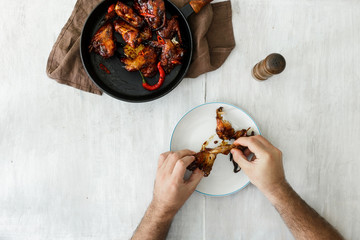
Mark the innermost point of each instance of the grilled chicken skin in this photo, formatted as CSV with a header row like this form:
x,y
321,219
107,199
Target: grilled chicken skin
x,y
102,42
171,53
170,29
144,60
128,15
153,11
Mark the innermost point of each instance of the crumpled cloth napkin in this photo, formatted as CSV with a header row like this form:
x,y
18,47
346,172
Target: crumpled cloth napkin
x,y
212,34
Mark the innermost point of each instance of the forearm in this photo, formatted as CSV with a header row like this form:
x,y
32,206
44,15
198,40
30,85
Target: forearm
x,y
154,225
303,221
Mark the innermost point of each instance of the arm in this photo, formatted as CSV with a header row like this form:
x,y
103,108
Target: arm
x,y
170,192
266,172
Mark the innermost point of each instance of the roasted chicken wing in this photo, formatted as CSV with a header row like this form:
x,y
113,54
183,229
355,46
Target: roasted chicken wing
x,y
225,131
102,42
171,53
204,160
146,34
153,11
128,32
144,60
170,29
110,15
128,15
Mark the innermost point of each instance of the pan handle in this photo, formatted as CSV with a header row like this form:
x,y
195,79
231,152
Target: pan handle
x,y
194,6
197,5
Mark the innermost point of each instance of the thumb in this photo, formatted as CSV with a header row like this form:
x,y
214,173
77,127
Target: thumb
x,y
240,158
195,178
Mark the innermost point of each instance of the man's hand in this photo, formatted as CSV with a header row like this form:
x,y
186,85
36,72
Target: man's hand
x,y
265,169
171,190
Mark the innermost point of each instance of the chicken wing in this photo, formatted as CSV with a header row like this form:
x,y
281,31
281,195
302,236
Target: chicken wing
x,y
146,34
204,160
171,54
131,35
110,15
153,11
170,29
102,42
225,131
128,32
128,15
144,60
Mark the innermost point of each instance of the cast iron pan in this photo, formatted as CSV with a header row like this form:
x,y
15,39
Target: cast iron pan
x,y
124,85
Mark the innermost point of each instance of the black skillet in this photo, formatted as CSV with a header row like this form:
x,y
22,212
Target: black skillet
x,y
124,85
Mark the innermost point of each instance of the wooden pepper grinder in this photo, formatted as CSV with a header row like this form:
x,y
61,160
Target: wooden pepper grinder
x,y
271,65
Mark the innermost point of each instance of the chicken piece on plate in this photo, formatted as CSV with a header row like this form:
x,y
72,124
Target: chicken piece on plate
x,y
204,160
128,32
128,15
153,11
171,53
243,133
170,29
143,58
102,42
225,131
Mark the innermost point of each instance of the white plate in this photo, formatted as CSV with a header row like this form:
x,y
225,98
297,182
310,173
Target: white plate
x,y
199,124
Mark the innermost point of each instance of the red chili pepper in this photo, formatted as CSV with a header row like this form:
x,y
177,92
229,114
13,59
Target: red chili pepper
x,y
158,84
111,8
176,62
160,40
102,66
147,15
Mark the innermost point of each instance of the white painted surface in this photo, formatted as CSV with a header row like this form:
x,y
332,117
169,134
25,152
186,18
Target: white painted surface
x,y
79,166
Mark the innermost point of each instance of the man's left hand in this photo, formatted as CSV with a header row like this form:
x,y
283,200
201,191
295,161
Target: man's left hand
x,y
171,190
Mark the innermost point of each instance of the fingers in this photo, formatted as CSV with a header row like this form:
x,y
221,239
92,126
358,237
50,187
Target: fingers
x,y
162,158
247,152
195,178
240,158
174,156
253,143
263,140
180,167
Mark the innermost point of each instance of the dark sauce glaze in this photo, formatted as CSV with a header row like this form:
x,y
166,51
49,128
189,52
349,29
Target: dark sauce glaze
x,y
236,166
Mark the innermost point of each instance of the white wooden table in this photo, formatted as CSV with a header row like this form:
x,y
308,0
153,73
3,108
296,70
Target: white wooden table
x,y
74,165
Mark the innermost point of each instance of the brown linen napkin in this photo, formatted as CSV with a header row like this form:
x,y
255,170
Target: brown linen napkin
x,y
212,33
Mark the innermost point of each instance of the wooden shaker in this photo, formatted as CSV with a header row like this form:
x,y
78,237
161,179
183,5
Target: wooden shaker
x,y
271,65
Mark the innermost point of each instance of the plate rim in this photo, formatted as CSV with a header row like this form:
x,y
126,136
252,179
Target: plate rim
x,y
172,135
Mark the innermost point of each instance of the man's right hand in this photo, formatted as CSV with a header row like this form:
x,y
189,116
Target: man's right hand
x,y
266,172
265,169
